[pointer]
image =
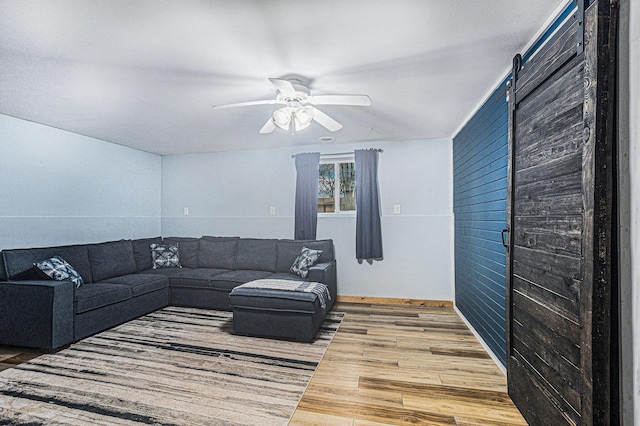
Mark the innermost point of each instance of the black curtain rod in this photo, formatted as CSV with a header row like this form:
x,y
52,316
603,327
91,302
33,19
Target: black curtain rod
x,y
337,153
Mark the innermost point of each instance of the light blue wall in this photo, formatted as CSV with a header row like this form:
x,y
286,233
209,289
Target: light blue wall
x,y
230,193
63,188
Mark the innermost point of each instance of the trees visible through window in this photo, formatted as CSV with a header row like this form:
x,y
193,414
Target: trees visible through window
x,y
337,187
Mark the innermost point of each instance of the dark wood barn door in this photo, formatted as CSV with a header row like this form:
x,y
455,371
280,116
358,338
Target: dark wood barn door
x,y
561,290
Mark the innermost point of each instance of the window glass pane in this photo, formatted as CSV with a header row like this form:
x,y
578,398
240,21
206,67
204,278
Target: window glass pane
x,y
347,187
326,185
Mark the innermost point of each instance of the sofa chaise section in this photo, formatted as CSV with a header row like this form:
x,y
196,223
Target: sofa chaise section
x,y
225,263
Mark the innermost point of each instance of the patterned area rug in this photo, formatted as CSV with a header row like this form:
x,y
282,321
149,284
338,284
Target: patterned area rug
x,y
176,366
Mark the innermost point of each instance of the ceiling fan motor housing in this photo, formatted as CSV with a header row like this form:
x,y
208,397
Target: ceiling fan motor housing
x,y
302,92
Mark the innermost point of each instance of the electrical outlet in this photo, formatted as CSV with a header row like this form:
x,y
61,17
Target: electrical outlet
x,y
396,209
272,210
185,211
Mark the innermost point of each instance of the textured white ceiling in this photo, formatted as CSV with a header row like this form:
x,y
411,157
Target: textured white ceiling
x,y
145,73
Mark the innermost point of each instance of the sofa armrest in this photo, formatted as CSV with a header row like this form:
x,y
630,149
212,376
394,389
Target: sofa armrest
x,y
37,314
326,273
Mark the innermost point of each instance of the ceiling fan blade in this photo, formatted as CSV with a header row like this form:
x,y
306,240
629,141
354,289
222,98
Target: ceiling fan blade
x,y
326,121
241,104
269,126
357,100
284,86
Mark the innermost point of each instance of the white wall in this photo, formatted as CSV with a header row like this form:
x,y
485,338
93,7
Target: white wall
x,y
230,193
63,188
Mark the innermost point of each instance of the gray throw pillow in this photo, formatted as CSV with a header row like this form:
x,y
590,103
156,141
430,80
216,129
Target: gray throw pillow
x,y
165,256
188,250
58,269
307,258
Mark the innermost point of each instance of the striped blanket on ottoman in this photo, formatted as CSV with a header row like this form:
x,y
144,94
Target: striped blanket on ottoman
x,y
318,289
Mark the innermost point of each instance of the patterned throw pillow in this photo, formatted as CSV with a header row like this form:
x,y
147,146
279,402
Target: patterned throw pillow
x,y
165,256
58,269
307,258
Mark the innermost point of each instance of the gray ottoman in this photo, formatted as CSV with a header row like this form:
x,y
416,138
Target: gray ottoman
x,y
261,309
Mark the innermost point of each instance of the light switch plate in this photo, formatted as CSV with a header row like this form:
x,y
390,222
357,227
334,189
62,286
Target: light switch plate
x,y
185,211
396,209
272,210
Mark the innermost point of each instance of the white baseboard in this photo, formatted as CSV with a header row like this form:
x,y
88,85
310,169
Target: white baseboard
x,y
482,342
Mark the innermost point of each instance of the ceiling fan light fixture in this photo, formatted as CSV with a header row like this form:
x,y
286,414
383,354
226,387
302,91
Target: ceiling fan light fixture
x,y
303,117
282,118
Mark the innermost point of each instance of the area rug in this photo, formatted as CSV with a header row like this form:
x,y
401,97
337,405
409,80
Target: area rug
x,y
176,366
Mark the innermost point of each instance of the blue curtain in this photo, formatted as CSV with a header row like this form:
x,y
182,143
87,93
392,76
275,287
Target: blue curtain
x,y
368,228
306,219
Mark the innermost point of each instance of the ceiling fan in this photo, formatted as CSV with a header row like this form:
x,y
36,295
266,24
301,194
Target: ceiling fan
x,y
299,106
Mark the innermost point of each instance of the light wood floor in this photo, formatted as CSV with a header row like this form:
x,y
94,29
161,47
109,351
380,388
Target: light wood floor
x,y
395,365
10,356
405,365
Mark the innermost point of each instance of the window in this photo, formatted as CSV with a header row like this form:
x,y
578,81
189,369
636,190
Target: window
x,y
337,186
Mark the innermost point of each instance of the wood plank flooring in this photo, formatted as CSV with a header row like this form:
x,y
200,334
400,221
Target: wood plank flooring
x,y
397,365
10,356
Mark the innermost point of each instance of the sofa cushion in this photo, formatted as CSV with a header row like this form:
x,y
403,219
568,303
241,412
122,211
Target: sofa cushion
x,y
286,276
58,269
256,254
165,272
97,295
232,279
212,238
18,261
201,277
218,254
307,258
33,273
288,251
188,250
142,252
111,259
165,256
141,283
275,300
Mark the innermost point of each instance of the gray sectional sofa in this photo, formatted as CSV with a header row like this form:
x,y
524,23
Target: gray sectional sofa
x,y
120,284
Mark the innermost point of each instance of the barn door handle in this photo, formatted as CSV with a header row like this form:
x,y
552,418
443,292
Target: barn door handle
x,y
504,241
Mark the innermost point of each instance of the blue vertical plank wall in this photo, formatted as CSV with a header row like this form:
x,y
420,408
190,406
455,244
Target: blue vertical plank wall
x,y
480,159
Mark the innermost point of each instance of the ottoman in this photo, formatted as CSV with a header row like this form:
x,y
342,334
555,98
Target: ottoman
x,y
281,309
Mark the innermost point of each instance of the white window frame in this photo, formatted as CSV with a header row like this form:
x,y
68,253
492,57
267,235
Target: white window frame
x,y
336,160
